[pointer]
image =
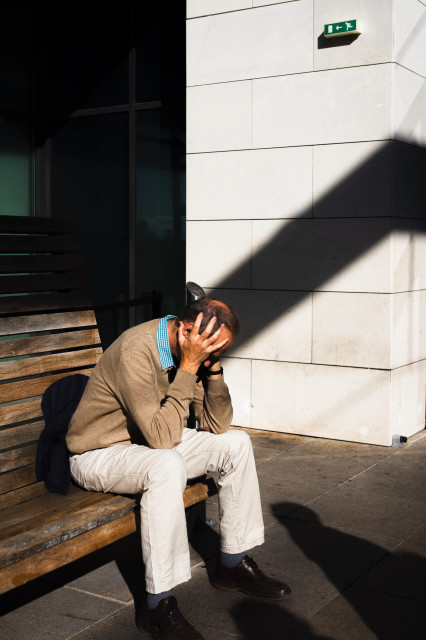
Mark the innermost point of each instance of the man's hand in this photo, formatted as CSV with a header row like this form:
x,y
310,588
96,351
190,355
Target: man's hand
x,y
196,348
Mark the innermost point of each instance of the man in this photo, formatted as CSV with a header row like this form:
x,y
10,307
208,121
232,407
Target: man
x,y
129,435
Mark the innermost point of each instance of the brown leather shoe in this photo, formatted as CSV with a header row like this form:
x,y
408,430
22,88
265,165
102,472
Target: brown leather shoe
x,y
247,577
166,622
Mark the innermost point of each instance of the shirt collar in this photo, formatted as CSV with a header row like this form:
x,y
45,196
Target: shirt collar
x,y
163,344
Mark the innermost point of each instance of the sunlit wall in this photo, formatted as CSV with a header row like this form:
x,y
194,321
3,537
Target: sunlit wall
x,y
306,208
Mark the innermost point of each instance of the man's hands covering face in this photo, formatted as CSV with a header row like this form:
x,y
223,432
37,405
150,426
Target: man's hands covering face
x,y
197,348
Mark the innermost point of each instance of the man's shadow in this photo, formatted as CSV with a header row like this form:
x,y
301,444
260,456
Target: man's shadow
x,y
385,589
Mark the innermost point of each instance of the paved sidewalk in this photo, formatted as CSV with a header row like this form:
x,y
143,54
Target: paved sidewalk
x,y
345,527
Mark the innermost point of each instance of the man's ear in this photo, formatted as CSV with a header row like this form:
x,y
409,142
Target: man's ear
x,y
187,328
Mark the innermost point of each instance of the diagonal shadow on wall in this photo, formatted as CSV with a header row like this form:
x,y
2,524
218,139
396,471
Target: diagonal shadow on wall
x,y
322,249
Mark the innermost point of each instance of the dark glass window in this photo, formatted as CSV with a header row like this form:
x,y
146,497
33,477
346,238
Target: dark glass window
x,y
89,55
160,205
90,187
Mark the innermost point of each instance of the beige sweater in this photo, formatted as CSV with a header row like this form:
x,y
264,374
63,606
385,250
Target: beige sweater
x,y
129,399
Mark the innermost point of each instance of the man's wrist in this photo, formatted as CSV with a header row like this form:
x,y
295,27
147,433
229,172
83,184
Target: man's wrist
x,y
210,373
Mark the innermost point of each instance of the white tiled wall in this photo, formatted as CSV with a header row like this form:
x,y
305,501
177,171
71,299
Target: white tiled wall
x,y
305,209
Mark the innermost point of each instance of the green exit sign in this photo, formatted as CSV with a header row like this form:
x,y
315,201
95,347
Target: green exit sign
x,y
345,28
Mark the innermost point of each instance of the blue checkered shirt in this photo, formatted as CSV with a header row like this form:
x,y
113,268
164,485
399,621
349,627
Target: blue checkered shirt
x,y
163,345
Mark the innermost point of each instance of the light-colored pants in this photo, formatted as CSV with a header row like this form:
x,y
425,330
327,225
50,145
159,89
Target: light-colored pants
x,y
160,476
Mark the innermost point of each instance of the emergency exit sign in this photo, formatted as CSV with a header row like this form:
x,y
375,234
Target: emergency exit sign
x,y
345,28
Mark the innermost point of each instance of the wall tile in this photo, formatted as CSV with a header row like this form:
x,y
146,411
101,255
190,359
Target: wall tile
x,y
325,255
407,414
219,252
250,44
342,105
266,183
333,402
373,46
219,117
237,372
408,328
196,8
409,186
275,325
408,255
409,46
352,180
409,106
351,329
262,3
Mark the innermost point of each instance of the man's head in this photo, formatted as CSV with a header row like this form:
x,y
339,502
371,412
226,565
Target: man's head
x,y
210,308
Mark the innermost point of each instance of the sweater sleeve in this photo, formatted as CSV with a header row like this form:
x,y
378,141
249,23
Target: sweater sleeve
x,y
160,420
213,406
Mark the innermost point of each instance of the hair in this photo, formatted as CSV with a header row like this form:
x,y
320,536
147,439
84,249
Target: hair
x,y
211,308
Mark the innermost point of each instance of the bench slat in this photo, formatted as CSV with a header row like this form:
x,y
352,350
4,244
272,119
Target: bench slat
x,y
23,494
40,511
40,263
16,458
46,322
18,478
34,386
21,367
38,244
17,436
22,572
29,224
50,342
63,526
49,282
43,301
28,410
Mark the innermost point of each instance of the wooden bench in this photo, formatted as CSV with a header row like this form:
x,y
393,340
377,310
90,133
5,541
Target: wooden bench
x,y
47,331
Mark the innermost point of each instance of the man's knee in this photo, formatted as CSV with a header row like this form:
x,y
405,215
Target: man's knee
x,y
238,443
168,466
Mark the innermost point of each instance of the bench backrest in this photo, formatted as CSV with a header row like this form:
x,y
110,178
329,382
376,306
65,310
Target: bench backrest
x,y
47,331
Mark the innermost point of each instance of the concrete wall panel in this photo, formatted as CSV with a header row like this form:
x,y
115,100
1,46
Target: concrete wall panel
x,y
275,325
322,255
409,106
342,105
196,8
352,180
219,251
409,45
333,402
408,337
409,185
351,329
408,265
237,374
407,414
250,44
265,183
219,117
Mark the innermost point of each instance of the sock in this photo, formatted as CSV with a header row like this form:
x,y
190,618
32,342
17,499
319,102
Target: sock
x,y
231,560
153,599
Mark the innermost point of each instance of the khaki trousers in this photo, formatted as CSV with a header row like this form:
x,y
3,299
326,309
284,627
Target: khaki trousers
x,y
160,475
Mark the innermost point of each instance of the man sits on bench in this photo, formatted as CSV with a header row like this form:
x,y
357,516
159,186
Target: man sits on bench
x,y
129,435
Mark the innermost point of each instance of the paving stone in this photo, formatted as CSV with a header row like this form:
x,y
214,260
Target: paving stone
x,y
117,571
118,625
402,572
387,479
263,454
358,510
57,614
278,494
363,614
